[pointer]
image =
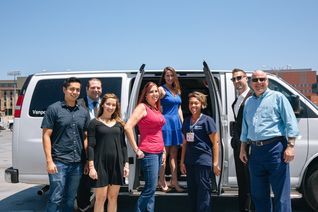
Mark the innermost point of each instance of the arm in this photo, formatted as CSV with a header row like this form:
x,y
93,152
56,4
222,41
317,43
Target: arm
x,y
136,116
162,92
243,138
289,152
214,137
290,121
47,146
183,151
180,114
86,170
91,143
243,153
125,155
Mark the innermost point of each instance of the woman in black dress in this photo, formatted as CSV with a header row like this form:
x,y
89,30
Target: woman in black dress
x,y
107,153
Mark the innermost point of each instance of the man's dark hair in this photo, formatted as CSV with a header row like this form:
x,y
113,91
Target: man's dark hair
x,y
238,70
92,79
68,81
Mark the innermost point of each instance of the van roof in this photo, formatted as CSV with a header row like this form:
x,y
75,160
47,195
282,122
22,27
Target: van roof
x,y
44,73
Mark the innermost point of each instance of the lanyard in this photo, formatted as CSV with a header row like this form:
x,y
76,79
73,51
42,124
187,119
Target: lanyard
x,y
192,126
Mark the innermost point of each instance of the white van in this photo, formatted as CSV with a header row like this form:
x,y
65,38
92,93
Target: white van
x,y
41,90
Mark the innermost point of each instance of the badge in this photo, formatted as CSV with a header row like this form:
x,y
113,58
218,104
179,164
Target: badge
x,y
190,137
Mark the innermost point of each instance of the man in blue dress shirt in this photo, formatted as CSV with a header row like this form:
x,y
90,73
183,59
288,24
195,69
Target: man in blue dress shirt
x,y
270,126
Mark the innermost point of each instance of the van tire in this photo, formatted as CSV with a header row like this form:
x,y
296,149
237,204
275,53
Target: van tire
x,y
310,189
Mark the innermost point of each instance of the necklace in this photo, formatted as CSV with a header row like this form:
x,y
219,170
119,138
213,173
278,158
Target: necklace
x,y
152,107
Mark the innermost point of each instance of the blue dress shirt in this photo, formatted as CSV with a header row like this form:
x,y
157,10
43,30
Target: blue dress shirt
x,y
267,116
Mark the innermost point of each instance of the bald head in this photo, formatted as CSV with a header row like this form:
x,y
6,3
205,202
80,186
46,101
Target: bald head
x,y
259,73
259,82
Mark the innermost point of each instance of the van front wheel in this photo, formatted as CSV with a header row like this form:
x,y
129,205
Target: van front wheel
x,y
310,189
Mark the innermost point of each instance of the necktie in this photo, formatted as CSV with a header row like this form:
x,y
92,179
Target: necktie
x,y
95,108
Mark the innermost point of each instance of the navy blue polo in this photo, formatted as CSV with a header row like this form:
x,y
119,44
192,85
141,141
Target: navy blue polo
x,y
69,125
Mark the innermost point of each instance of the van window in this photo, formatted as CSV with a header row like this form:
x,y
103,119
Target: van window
x,y
48,91
306,112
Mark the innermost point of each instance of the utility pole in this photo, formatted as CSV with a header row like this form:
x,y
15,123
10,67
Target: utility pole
x,y
14,74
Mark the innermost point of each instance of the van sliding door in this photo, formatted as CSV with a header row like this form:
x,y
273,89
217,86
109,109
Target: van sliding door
x,y
133,178
215,98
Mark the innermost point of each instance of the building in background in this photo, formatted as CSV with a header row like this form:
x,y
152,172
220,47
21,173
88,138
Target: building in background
x,y
304,80
7,90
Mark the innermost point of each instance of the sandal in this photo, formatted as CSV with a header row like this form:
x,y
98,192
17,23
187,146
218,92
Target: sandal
x,y
164,188
178,188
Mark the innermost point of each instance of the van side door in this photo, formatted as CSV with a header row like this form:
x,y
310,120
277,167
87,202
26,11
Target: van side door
x,y
217,114
133,179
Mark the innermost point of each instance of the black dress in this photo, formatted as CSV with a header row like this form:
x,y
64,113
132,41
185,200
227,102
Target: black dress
x,y
107,148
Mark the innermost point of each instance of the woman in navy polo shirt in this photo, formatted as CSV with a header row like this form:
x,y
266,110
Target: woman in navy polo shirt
x,y
200,153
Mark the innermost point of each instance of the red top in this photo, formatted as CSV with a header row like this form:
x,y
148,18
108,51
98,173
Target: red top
x,y
151,140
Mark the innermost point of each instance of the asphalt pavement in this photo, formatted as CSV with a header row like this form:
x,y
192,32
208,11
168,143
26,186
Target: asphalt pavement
x,y
21,197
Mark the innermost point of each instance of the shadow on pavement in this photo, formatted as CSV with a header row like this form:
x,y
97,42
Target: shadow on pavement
x,y
26,200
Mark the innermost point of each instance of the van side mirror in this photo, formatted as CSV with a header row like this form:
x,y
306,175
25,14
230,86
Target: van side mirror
x,y
295,103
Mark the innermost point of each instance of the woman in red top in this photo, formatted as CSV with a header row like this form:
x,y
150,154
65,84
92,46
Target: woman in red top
x,y
150,150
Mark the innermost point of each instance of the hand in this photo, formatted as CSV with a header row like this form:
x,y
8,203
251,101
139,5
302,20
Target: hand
x,y
140,154
243,156
93,174
51,168
289,154
216,170
183,168
86,169
163,160
126,171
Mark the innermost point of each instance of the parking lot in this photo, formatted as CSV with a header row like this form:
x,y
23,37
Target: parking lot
x,y
23,197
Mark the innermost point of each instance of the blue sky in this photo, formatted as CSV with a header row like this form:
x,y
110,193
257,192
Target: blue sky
x,y
37,35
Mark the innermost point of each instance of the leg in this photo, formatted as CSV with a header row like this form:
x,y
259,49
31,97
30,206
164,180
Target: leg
x,y
260,187
192,187
112,196
173,168
84,193
203,180
57,186
150,166
73,178
280,180
100,198
243,181
162,180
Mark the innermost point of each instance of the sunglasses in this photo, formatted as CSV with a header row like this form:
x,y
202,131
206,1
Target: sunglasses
x,y
238,78
259,79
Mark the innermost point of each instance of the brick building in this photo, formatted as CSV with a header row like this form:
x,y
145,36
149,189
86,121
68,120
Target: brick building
x,y
7,98
304,80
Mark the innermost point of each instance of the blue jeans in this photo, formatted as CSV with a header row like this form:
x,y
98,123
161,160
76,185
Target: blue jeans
x,y
268,170
63,186
150,165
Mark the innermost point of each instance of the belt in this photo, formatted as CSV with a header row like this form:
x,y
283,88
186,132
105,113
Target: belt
x,y
267,141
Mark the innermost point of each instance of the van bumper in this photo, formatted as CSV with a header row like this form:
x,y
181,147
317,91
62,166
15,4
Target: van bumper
x,y
11,175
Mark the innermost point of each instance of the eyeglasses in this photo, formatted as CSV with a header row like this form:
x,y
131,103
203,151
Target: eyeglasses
x,y
238,78
259,79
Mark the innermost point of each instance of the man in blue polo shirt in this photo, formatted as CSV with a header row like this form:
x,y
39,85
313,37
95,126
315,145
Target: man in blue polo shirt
x,y
64,140
270,125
